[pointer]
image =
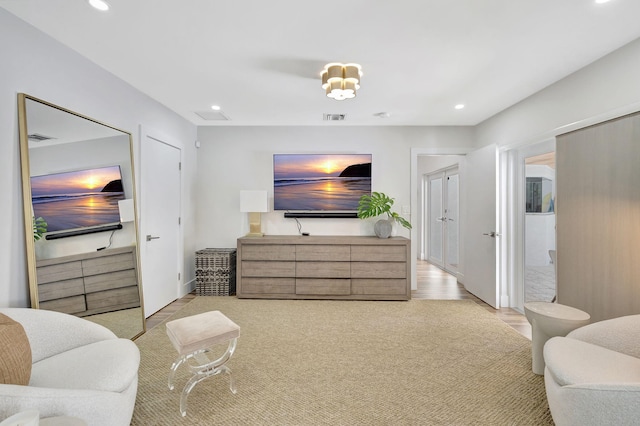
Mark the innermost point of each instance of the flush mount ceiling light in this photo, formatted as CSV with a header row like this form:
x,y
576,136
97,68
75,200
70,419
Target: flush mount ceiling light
x,y
340,81
101,5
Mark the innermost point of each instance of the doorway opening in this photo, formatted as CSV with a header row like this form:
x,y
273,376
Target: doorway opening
x,y
442,230
540,228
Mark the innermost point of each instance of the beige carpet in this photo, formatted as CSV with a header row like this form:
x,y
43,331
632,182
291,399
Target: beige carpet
x,y
422,362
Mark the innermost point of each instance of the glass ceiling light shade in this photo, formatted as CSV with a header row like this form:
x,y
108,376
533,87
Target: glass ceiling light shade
x,y
341,81
101,5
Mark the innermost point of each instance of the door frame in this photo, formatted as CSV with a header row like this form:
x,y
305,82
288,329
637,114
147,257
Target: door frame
x,y
513,208
416,187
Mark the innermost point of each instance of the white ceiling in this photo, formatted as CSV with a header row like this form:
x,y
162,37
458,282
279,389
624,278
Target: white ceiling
x,y
261,60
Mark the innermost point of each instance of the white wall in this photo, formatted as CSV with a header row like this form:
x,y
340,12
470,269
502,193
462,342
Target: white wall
x,y
603,90
231,159
35,64
606,89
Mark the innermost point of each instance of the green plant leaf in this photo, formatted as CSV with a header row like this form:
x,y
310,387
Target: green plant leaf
x,y
39,228
374,205
377,204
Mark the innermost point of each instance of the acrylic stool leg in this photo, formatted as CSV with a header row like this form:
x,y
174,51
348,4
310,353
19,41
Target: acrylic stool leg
x,y
201,368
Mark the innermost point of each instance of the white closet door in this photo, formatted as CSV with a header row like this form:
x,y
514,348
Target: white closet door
x,y
160,223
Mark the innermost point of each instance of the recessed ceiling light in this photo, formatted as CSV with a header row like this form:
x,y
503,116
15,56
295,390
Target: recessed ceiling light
x,y
215,107
382,114
101,5
602,1
459,106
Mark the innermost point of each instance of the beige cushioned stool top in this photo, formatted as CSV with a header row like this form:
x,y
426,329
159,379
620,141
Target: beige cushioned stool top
x,y
201,331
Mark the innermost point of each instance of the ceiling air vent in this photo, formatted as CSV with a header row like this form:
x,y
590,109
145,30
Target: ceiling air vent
x,y
334,117
212,115
37,137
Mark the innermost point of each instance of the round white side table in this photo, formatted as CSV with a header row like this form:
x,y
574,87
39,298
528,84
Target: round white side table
x,y
549,320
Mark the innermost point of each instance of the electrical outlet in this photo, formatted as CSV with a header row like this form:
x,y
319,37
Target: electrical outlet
x,y
406,209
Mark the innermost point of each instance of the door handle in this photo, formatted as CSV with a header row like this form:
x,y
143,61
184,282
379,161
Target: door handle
x,y
149,238
492,234
440,219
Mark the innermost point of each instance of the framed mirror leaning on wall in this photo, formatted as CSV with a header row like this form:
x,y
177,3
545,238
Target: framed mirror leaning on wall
x,y
80,217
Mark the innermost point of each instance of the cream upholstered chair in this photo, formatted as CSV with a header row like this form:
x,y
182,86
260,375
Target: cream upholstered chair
x,y
592,376
78,368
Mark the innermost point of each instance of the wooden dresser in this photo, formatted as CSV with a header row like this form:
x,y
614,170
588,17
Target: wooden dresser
x,y
89,283
323,267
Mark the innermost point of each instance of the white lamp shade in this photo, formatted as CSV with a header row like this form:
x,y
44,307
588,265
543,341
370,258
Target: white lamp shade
x,y
254,201
127,212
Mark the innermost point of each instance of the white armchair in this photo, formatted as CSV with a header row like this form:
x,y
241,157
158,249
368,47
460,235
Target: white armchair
x,y
592,376
79,369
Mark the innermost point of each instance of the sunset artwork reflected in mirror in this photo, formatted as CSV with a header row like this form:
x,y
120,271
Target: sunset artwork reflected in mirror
x,y
78,199
320,182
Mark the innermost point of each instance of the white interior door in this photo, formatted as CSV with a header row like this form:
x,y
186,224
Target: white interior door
x,y
481,225
160,222
435,227
452,214
443,219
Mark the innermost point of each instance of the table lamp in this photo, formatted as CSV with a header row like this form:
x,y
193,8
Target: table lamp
x,y
254,203
126,209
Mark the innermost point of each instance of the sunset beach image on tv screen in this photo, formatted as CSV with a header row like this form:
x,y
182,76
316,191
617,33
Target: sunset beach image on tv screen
x,y
327,182
78,199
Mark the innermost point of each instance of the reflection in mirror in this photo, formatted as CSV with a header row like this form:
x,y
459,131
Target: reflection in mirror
x,y
80,221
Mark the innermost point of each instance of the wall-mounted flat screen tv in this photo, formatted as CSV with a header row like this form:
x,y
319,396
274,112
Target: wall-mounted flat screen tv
x,y
78,200
320,182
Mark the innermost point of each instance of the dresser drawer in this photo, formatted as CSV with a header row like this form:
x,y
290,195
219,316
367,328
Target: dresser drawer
x,y
107,264
111,298
389,253
323,287
268,286
268,252
59,271
323,253
385,287
254,268
60,289
323,270
378,270
68,305
110,280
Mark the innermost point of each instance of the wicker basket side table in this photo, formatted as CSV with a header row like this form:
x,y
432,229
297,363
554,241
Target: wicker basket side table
x,y
216,272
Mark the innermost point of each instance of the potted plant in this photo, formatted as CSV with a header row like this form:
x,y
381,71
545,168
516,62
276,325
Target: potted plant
x,y
377,204
39,228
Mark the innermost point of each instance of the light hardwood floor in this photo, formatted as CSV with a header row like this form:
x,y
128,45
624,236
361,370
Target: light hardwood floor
x,y
433,283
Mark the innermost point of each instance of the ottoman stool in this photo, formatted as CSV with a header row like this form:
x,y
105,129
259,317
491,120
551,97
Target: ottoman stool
x,y
193,337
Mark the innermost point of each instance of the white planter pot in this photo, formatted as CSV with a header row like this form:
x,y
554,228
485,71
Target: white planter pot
x,y
383,228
